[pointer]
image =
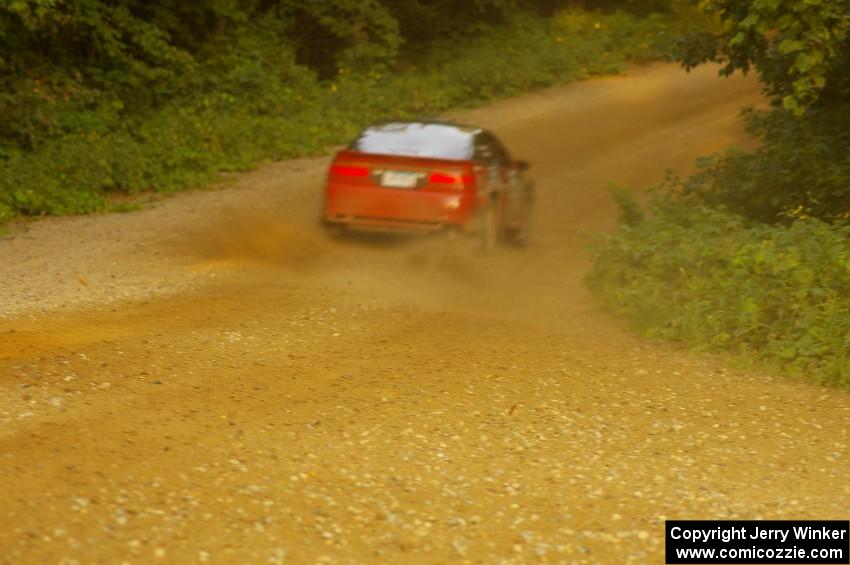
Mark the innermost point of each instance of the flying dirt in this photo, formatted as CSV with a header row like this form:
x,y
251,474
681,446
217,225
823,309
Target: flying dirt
x,y
215,380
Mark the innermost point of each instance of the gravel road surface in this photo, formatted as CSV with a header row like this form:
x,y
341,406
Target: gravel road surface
x,y
213,380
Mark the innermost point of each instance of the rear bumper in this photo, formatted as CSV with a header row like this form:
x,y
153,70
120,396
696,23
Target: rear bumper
x,y
365,223
376,208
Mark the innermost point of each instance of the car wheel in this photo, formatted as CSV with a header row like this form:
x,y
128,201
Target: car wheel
x,y
520,236
489,228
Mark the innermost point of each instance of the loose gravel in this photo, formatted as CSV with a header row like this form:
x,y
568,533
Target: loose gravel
x,y
213,380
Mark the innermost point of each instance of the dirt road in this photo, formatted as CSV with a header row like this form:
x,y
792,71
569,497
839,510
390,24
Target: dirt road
x,y
224,384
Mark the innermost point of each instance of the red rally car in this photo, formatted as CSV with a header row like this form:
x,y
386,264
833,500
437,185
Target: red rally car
x,y
421,176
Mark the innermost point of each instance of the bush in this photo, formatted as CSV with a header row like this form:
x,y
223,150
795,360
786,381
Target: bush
x,y
801,169
714,280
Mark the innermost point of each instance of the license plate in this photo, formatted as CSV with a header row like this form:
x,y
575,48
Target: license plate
x,y
399,179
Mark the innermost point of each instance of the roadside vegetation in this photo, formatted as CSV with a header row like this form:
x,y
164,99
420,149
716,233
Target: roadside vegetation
x,y
101,98
752,253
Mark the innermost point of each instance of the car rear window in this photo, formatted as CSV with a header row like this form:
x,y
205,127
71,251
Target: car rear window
x,y
409,139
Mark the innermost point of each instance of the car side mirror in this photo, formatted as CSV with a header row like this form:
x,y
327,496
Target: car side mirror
x,y
522,165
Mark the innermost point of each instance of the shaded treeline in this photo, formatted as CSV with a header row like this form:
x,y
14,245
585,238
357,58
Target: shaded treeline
x,y
111,96
141,53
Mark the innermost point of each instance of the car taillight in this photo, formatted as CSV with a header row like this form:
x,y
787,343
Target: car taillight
x,y
349,171
442,178
445,178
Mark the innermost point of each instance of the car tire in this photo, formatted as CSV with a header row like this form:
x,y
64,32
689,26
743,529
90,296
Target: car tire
x,y
488,228
520,236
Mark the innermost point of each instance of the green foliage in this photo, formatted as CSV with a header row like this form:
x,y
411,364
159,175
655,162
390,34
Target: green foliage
x,y
801,169
734,256
125,207
715,281
800,47
631,213
227,97
356,34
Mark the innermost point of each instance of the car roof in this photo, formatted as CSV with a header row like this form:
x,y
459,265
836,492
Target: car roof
x,y
425,138
465,128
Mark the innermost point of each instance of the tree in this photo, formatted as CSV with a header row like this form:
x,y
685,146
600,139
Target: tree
x,y
799,47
